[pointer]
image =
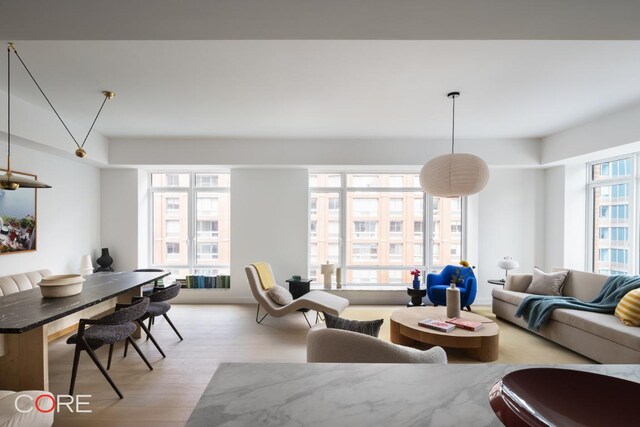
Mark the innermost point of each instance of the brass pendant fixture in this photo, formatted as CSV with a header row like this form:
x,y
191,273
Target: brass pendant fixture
x,y
80,151
8,181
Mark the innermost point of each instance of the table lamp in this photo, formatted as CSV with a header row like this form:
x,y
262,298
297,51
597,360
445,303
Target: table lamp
x,y
327,270
507,263
86,267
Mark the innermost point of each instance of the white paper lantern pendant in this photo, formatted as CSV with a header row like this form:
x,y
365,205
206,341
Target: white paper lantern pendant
x,y
455,174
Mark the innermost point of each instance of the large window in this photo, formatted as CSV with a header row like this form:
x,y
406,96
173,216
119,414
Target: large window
x,y
374,225
190,223
613,214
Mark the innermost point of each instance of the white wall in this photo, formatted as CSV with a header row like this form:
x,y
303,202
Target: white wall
x,y
119,227
68,214
607,136
554,217
269,222
575,215
319,152
510,223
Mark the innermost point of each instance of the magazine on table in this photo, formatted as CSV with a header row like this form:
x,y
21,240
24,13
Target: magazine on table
x,y
437,325
465,324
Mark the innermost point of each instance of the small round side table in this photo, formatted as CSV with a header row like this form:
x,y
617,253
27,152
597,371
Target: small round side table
x,y
416,296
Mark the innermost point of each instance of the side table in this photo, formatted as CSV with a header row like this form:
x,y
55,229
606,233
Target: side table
x,y
299,287
416,296
496,282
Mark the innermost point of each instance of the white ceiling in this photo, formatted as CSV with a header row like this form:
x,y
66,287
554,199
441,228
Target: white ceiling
x,y
319,19
330,89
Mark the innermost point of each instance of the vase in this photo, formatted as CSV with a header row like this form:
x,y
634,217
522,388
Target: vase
x,y
453,301
104,261
416,283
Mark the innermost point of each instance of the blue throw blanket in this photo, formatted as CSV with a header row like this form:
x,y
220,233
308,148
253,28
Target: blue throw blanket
x,y
537,309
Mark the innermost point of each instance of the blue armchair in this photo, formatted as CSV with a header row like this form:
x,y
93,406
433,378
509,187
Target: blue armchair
x,y
437,285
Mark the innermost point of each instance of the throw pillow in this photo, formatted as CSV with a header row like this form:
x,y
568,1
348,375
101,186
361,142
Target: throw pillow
x,y
547,283
367,327
628,309
280,295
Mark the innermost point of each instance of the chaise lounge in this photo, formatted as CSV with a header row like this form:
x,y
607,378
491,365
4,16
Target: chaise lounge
x,y
314,300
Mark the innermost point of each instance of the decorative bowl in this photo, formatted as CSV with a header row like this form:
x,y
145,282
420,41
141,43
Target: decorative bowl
x,y
61,285
542,397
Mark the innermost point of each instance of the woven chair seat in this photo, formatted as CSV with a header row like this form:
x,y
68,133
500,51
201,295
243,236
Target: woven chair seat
x,y
158,308
99,335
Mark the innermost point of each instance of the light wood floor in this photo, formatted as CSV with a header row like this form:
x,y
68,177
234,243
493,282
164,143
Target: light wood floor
x,y
225,333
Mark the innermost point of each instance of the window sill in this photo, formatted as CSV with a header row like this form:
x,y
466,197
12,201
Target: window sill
x,y
370,287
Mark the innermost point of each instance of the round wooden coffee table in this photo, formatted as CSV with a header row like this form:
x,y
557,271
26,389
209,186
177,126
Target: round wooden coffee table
x,y
481,345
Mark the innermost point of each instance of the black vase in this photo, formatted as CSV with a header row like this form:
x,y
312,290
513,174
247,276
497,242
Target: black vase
x,y
104,261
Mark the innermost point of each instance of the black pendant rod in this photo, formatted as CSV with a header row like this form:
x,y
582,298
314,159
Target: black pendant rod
x,y
8,108
453,96
107,95
45,96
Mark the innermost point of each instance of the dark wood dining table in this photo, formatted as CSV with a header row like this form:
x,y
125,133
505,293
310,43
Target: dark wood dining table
x,y
24,317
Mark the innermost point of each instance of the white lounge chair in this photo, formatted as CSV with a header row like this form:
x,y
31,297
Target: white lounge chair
x,y
314,300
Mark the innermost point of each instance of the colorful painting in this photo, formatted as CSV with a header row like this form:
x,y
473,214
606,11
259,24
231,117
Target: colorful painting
x,y
18,219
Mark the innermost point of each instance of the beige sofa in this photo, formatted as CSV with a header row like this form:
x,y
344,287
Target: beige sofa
x,y
601,337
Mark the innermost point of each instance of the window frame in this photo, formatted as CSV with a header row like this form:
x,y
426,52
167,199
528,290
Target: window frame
x,y
633,182
427,264
192,224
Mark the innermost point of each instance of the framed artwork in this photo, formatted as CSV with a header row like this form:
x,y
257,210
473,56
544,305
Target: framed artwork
x,y
18,216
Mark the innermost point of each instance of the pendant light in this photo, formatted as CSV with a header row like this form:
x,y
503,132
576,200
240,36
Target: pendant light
x,y
9,181
80,151
455,174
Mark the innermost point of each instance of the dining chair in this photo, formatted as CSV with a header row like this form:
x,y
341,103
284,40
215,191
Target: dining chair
x,y
109,329
159,306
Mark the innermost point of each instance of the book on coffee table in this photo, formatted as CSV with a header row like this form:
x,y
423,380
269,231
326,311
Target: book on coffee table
x,y
465,324
438,325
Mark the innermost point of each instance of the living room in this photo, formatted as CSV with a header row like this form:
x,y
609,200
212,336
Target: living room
x,y
295,134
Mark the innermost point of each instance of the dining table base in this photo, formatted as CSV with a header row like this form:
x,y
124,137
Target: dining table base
x,y
25,362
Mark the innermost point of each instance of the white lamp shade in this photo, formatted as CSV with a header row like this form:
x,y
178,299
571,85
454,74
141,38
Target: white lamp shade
x,y
327,268
454,175
507,263
85,262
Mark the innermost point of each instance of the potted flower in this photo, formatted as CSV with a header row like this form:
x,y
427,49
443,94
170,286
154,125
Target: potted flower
x,y
457,277
416,278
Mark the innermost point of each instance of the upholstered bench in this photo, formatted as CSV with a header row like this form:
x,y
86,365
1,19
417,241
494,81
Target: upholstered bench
x,y
28,415
21,282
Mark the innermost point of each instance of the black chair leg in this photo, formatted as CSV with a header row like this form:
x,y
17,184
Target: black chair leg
x,y
136,348
153,340
110,356
172,326
93,357
258,313
305,318
126,347
74,371
150,323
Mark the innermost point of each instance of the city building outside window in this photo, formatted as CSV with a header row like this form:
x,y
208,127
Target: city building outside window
x,y
373,225
612,188
189,223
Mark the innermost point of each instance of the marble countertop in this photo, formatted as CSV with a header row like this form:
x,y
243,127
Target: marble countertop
x,y
359,394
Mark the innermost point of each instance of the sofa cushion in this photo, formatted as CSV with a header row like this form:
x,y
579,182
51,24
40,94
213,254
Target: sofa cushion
x,y
628,309
604,325
547,283
512,297
367,327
